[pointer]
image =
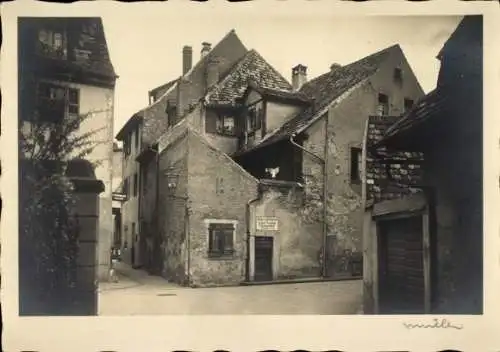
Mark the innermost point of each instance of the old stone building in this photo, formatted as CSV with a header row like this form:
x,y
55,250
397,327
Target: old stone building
x,y
236,162
65,70
314,138
168,103
423,238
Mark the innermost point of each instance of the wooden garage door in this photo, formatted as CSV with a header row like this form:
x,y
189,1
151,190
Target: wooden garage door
x,y
401,269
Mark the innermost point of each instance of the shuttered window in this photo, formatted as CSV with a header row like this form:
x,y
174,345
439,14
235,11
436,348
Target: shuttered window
x,y
220,240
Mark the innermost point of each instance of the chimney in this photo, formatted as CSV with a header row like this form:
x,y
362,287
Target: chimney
x,y
212,73
187,59
334,67
205,49
299,76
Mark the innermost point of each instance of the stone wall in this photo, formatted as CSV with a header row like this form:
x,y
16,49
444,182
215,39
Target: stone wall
x,y
173,161
219,189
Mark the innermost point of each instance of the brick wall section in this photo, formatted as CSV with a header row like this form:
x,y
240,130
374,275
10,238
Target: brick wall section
x,y
171,209
207,169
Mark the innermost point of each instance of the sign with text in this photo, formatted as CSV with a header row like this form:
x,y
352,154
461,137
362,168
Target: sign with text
x,y
267,223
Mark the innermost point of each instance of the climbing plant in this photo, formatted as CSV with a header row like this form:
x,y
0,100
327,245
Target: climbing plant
x,y
48,243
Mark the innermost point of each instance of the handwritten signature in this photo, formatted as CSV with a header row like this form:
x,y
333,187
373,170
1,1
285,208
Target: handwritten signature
x,y
437,324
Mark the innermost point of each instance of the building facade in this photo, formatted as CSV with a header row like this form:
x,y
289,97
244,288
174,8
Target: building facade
x,y
425,242
65,70
168,103
291,155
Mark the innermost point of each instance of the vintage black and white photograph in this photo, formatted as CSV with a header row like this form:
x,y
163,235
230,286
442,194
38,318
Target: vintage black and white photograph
x,y
250,167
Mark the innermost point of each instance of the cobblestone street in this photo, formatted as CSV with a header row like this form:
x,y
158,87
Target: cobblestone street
x,y
140,294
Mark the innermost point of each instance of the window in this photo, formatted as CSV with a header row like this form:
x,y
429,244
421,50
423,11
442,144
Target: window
x,y
171,111
408,104
52,43
56,102
255,117
126,145
135,185
356,165
225,125
398,75
383,105
220,240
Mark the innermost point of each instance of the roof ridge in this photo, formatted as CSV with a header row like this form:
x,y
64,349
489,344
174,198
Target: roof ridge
x,y
370,56
232,31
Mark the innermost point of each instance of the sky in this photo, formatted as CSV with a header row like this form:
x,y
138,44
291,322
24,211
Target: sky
x,y
147,51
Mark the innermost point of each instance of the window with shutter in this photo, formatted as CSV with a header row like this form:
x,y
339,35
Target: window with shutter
x,y
220,239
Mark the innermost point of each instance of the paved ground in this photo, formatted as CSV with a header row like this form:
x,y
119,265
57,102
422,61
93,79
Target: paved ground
x,y
140,294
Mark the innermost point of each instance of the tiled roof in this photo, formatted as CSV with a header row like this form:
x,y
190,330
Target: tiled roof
x,y
252,67
296,96
155,116
388,180
325,89
426,108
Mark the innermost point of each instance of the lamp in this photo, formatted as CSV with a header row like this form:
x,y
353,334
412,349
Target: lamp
x,y
172,180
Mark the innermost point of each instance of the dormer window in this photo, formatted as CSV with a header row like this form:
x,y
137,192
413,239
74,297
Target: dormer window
x,y
225,125
52,43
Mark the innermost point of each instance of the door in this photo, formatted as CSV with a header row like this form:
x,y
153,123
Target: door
x,y
263,258
401,266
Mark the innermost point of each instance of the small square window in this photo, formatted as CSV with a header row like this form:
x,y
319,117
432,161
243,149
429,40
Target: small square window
x,y
383,105
220,241
408,104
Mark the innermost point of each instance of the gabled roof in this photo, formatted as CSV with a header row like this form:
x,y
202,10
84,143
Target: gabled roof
x,y
155,117
388,180
325,89
252,67
164,87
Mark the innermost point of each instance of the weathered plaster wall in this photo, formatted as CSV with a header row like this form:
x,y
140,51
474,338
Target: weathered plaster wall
x,y
296,250
346,125
218,189
278,113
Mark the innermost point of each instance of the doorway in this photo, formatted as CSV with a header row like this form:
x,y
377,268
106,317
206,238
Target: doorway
x,y
263,258
401,266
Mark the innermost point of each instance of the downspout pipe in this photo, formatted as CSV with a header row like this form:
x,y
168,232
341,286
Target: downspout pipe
x,y
249,233
325,193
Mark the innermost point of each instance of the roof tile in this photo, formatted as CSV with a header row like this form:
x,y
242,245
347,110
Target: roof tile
x,y
252,67
327,87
